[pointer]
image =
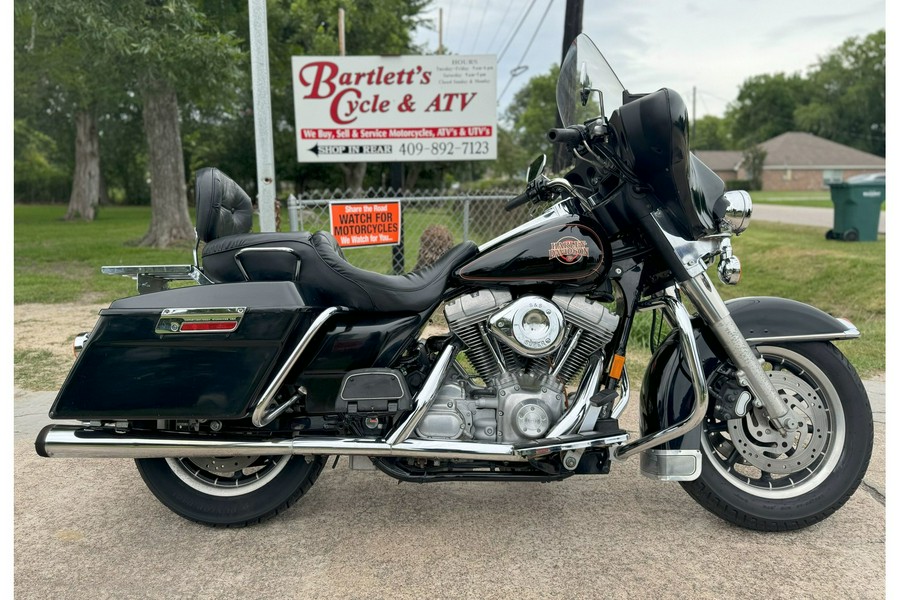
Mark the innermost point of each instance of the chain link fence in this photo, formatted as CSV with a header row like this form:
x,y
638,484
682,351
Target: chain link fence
x,y
431,222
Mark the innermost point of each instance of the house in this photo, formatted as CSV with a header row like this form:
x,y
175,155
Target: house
x,y
797,161
726,163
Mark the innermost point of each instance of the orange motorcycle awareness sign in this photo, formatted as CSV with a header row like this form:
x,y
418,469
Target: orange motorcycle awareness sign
x,y
359,224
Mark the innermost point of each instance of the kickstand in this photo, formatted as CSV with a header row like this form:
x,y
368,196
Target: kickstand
x,y
336,459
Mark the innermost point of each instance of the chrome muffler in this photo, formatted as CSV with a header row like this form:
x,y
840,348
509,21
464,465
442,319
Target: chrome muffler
x,y
73,441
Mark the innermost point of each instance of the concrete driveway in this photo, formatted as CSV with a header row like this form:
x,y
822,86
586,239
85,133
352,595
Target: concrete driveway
x,y
90,529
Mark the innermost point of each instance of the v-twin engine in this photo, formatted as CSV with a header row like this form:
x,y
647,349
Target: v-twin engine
x,y
525,352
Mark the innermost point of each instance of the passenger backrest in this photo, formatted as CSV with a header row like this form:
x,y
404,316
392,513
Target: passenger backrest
x,y
223,208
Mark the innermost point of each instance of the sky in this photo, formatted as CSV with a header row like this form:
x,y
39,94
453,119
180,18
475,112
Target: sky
x,y
712,46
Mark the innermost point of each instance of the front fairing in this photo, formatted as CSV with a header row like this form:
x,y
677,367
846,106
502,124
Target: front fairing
x,y
652,133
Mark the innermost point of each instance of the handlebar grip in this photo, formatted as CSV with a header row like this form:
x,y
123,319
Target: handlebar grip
x,y
564,136
518,201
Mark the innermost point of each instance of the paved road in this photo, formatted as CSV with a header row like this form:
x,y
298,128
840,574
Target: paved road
x,y
90,529
801,215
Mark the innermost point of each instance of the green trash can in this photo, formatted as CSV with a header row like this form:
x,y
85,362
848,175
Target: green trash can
x,y
857,208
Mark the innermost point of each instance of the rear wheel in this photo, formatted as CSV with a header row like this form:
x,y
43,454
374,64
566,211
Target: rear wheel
x,y
756,478
229,491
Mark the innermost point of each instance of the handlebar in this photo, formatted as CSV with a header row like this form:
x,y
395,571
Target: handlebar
x,y
519,200
565,136
535,191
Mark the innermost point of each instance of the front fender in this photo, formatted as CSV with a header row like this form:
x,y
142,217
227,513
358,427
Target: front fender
x,y
667,395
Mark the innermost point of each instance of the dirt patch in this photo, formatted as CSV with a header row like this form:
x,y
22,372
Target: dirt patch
x,y
43,336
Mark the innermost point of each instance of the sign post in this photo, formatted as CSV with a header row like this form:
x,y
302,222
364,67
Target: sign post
x,y
262,115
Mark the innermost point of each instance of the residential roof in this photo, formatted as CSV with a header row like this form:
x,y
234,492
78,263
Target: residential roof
x,y
797,149
720,160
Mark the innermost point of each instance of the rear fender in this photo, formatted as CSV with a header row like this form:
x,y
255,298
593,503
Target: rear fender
x,y
667,395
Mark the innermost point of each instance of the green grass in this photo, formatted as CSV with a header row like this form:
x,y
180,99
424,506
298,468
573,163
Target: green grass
x,y
57,261
815,199
820,199
844,279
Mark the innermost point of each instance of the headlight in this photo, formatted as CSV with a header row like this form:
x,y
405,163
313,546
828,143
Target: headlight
x,y
738,209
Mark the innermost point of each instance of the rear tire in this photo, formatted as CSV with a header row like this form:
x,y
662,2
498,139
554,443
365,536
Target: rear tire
x,y
757,479
204,490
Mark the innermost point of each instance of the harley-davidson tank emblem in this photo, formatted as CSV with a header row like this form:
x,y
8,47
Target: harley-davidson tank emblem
x,y
568,250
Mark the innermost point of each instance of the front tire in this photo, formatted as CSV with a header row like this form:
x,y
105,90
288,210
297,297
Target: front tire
x,y
757,479
229,491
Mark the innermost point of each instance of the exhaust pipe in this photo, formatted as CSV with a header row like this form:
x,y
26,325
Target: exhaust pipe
x,y
72,441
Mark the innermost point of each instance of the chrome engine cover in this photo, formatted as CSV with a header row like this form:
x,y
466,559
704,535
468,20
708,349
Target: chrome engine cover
x,y
532,326
524,351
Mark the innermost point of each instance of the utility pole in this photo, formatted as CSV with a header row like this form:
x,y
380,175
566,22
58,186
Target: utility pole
x,y
341,47
262,115
440,49
571,29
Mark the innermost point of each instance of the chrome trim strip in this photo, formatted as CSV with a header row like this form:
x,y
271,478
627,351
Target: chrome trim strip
x,y
701,394
565,445
426,395
74,441
262,415
172,320
671,465
850,334
557,210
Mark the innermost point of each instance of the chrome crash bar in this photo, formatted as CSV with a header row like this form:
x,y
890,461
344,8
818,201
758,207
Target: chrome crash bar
x,y
682,320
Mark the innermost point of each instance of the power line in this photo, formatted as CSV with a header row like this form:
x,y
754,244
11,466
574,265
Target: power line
x,y
466,27
497,29
515,31
517,70
478,32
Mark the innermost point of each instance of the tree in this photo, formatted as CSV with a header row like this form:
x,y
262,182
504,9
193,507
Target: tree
x,y
309,27
711,133
765,107
160,48
532,113
847,103
59,79
753,161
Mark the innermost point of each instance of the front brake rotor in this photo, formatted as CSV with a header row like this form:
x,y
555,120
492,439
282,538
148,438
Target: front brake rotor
x,y
763,447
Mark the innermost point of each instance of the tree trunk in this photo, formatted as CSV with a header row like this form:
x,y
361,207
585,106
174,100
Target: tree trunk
x,y
354,173
170,222
86,180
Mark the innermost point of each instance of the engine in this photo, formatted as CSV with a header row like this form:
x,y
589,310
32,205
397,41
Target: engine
x,y
524,351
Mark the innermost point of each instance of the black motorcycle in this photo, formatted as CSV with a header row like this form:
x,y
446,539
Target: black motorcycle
x,y
231,394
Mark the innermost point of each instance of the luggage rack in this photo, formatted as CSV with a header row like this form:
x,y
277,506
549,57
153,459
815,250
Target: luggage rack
x,y
156,278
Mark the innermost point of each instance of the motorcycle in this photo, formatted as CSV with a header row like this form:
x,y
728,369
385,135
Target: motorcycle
x,y
231,394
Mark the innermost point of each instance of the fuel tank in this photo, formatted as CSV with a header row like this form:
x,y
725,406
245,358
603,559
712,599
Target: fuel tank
x,y
556,247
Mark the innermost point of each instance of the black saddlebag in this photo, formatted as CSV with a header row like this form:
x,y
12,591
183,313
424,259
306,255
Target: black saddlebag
x,y
201,352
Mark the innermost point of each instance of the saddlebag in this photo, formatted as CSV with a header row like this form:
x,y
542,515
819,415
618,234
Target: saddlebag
x,y
201,352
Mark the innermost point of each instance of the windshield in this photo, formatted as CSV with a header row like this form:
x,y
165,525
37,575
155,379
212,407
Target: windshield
x,y
584,73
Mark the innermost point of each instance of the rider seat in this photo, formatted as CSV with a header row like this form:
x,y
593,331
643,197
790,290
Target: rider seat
x,y
315,262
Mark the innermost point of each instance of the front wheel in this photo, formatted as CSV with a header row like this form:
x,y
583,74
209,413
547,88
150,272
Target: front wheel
x,y
229,491
756,478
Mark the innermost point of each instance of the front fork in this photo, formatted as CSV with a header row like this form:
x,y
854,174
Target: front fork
x,y
749,368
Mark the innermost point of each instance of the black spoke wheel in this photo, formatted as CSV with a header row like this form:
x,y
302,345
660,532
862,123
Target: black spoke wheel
x,y
231,491
754,477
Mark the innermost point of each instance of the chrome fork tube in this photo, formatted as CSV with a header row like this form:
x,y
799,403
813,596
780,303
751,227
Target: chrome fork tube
x,y
750,372
682,321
